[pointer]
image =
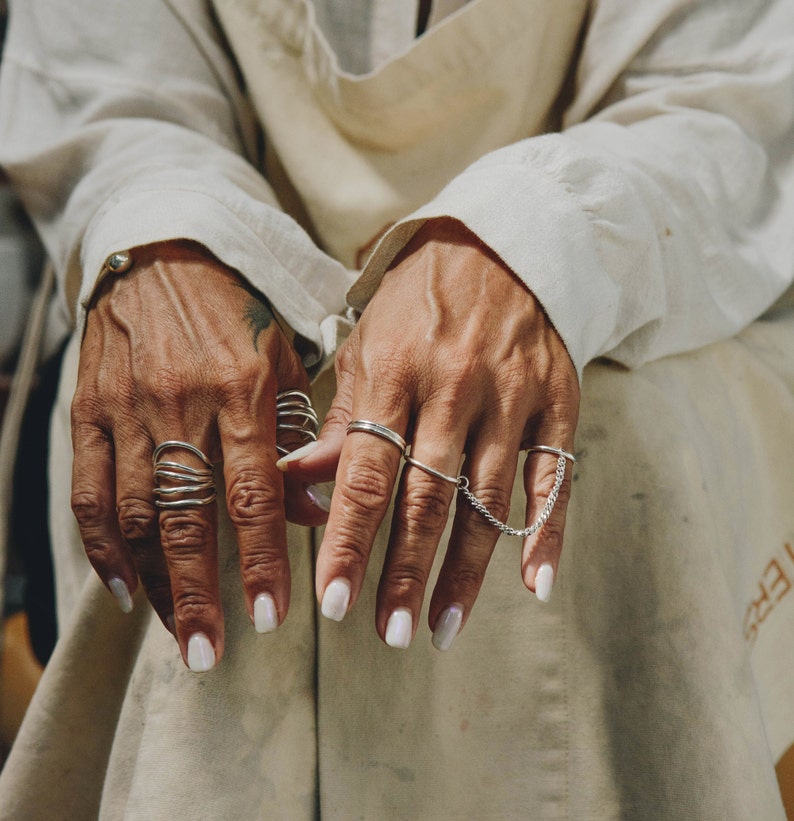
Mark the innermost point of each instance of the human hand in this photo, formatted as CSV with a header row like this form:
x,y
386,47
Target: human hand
x,y
181,348
457,356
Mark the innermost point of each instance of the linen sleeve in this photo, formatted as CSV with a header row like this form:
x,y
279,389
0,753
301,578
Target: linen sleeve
x,y
659,219
122,124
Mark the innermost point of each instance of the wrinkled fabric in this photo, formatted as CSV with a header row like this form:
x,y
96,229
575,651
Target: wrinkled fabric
x,y
655,684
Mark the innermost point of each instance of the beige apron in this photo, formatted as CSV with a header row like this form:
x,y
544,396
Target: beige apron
x,y
654,683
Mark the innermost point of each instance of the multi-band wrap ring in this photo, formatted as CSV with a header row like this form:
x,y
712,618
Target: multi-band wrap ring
x,y
194,486
296,420
462,483
179,486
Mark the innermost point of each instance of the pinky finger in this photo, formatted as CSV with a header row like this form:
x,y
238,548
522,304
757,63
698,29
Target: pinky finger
x,y
547,482
94,507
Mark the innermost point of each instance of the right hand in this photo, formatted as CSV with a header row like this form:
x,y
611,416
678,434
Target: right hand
x,y
181,348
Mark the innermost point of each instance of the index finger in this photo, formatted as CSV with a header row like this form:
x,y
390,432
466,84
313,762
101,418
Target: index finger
x,y
365,479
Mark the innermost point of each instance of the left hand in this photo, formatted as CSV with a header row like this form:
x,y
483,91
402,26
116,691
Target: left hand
x,y
455,354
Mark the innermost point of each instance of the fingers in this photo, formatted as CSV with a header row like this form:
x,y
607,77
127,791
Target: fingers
x,y
94,507
255,501
188,536
365,478
364,483
540,555
490,470
421,509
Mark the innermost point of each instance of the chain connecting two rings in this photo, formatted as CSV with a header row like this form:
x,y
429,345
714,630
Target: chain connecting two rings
x,y
180,486
462,482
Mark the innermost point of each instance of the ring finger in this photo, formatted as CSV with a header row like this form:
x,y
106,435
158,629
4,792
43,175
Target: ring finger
x,y
489,469
188,534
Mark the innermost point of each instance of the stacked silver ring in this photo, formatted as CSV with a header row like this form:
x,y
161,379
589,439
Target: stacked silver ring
x,y
296,419
194,486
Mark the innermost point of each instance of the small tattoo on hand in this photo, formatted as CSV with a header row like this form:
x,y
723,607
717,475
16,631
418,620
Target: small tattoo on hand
x,y
258,314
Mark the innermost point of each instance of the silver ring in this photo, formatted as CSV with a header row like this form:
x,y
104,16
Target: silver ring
x,y
296,419
427,469
364,426
556,451
196,483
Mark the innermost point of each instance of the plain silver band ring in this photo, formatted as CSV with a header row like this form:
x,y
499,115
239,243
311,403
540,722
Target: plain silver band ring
x,y
365,426
556,451
432,471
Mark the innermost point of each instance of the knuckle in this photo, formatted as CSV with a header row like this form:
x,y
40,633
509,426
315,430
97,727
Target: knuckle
x,y
164,383
349,552
137,520
90,506
466,576
496,498
193,606
264,561
346,358
405,580
98,552
251,501
424,506
185,532
366,490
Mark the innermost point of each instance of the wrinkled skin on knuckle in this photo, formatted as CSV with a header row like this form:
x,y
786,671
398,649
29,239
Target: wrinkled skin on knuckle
x,y
138,520
424,508
99,552
193,605
184,532
86,411
349,554
366,490
264,561
405,580
465,578
165,385
91,507
496,498
252,501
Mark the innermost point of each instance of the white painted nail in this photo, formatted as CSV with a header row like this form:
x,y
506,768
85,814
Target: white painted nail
x,y
296,454
336,599
318,498
120,590
200,653
447,627
399,628
544,581
265,615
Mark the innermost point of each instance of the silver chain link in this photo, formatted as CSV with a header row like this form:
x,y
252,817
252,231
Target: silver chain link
x,y
559,476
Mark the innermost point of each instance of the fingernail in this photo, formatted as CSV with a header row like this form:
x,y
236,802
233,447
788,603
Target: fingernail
x,y
296,454
336,599
399,628
447,627
318,498
200,653
544,581
265,615
122,593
